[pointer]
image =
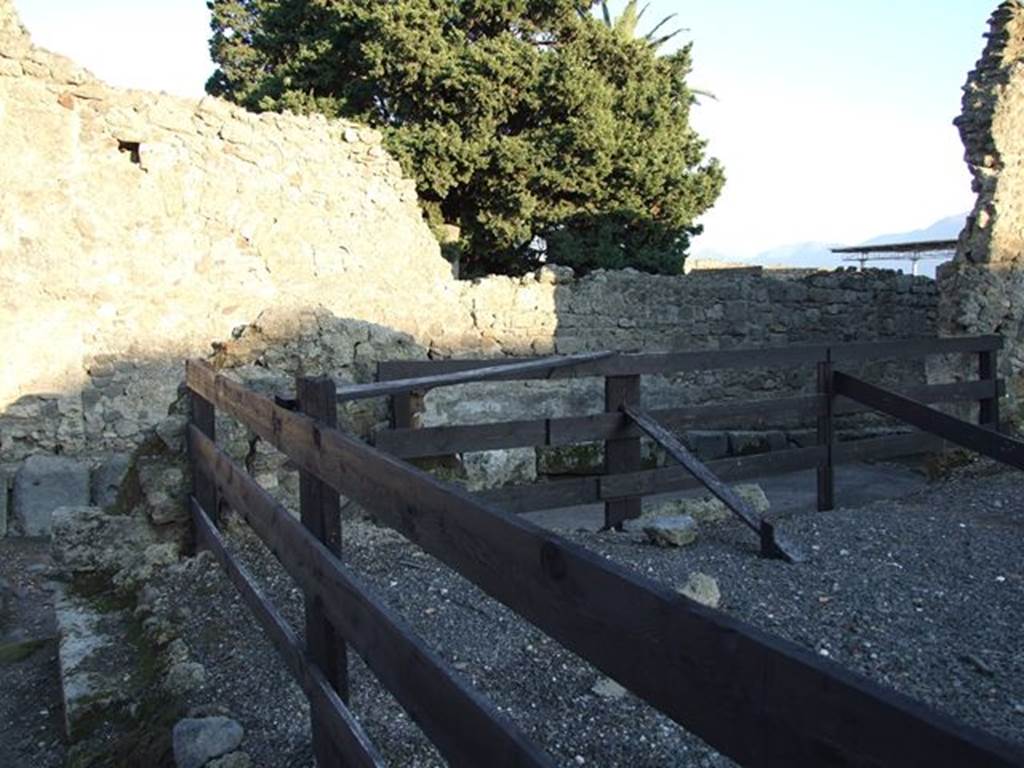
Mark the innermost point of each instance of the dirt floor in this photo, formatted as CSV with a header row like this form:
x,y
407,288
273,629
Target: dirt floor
x,y
31,712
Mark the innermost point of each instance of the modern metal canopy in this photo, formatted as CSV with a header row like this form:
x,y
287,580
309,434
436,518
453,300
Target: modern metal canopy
x,y
914,252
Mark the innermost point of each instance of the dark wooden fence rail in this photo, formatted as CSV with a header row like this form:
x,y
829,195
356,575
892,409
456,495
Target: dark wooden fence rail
x,y
623,483
758,699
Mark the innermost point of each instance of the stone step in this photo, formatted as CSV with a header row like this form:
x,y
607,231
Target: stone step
x,y
99,672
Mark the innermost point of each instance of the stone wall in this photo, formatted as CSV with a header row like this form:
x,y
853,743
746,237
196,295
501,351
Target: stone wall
x,y
136,228
627,311
983,288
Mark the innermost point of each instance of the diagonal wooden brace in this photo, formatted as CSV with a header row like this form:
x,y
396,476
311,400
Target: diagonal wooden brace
x,y
772,544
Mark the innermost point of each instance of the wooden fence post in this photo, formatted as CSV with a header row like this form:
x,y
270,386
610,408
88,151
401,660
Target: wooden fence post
x,y
320,510
988,370
621,455
826,472
204,418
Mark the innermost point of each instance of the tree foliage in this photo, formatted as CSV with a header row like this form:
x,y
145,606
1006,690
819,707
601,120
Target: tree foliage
x,y
523,121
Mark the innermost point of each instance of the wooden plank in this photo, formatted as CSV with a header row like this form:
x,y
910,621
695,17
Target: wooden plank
x,y
888,447
536,368
988,372
927,393
903,349
755,357
747,414
621,454
629,365
671,479
204,417
447,440
463,725
592,490
674,447
345,734
555,494
772,544
320,512
444,441
759,699
984,441
826,437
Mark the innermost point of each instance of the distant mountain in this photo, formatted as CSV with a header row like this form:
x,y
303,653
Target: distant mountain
x,y
944,229
807,255
814,254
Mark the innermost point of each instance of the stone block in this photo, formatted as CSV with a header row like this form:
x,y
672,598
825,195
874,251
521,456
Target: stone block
x,y
671,531
744,443
708,446
164,490
581,459
493,469
41,485
107,479
87,539
98,680
197,741
777,440
747,443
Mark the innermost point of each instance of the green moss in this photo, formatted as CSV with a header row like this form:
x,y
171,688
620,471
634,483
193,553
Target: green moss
x,y
579,459
99,590
141,735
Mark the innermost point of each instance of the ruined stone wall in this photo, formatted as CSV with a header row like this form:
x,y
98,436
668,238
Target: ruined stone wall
x,y
627,311
983,288
136,228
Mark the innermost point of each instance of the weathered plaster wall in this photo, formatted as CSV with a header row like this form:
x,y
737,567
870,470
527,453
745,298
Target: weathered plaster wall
x,y
983,288
135,228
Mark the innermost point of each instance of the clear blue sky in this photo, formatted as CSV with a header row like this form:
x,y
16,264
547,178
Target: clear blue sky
x,y
833,119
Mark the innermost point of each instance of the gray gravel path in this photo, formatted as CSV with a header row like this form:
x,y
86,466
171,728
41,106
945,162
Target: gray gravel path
x,y
923,594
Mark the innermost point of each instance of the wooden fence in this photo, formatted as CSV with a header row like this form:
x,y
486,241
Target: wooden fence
x,y
760,700
623,483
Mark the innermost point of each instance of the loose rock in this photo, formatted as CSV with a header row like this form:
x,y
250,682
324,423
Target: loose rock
x,y
607,688
702,589
708,509
674,531
198,741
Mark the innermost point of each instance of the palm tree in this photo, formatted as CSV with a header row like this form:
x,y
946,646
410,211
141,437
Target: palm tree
x,y
627,22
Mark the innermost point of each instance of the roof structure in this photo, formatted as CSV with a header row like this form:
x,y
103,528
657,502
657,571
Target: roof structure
x,y
913,252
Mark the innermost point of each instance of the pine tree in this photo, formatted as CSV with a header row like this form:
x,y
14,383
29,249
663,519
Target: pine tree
x,y
523,121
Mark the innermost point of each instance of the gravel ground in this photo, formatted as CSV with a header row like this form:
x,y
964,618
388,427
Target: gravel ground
x,y
31,711
923,594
